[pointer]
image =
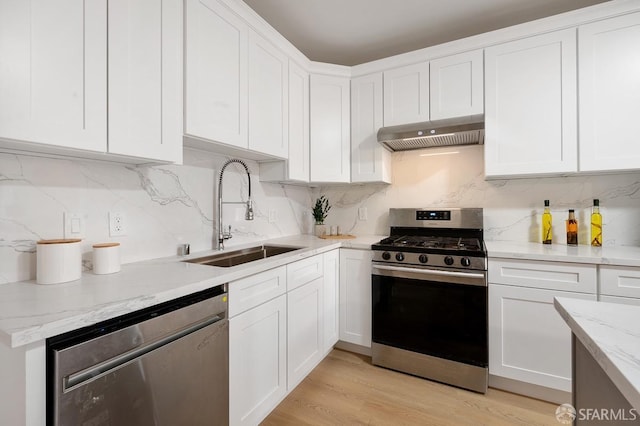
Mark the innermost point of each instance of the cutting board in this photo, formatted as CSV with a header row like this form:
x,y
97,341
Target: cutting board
x,y
338,237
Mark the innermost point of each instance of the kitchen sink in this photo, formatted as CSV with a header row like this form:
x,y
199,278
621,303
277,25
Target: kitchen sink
x,y
238,257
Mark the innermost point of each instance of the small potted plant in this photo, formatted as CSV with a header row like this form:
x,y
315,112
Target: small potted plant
x,y
320,211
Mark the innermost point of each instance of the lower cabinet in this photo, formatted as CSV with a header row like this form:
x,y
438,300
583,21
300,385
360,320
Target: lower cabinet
x,y
304,331
355,296
528,340
257,361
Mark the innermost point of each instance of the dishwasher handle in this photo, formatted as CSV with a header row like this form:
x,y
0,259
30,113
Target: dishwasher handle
x,y
74,380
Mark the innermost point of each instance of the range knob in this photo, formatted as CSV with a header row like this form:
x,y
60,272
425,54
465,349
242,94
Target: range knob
x,y
399,257
448,260
423,258
386,255
465,261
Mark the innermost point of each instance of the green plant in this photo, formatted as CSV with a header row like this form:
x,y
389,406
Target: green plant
x,y
321,209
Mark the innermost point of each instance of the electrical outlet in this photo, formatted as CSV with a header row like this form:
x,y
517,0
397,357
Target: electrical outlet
x,y
117,224
362,213
273,215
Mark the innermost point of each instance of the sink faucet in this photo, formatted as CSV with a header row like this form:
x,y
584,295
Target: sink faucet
x,y
248,214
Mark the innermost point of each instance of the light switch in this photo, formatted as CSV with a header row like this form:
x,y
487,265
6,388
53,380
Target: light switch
x,y
74,225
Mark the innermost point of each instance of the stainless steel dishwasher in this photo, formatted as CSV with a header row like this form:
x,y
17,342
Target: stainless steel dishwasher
x,y
164,365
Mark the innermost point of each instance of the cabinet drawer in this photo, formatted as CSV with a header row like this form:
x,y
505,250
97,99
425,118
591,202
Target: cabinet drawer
x,y
620,300
256,289
549,275
620,281
304,271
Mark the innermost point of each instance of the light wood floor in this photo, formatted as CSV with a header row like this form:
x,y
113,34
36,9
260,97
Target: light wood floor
x,y
345,389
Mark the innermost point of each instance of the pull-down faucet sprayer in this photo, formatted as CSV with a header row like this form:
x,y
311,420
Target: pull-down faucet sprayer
x,y
248,214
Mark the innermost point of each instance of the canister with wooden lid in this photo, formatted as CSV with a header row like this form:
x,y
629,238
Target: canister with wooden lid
x,y
106,258
58,261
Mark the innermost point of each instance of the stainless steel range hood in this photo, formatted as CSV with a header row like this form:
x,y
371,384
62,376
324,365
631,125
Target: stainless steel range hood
x,y
456,131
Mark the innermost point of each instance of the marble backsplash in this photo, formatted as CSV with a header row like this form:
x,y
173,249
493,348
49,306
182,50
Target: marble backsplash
x,y
433,178
163,206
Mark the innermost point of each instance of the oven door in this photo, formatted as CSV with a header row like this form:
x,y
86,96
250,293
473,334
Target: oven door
x,y
434,312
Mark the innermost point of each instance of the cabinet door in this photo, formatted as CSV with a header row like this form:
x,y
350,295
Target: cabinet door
x,y
406,94
331,298
145,79
528,340
304,328
330,145
530,106
355,296
53,72
456,85
609,64
268,97
370,162
257,362
620,281
215,73
298,163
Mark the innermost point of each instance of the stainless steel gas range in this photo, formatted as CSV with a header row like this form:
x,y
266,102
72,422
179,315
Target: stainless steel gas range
x,y
429,294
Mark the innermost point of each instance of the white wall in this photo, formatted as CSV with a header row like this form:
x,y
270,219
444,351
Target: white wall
x,y
163,206
512,208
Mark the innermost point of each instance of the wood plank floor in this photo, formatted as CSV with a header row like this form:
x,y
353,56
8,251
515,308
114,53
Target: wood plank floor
x,y
345,389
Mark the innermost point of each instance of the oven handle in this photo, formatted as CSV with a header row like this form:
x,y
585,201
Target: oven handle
x,y
468,278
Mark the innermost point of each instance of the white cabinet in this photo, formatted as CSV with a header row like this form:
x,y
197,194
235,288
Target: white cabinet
x,y
530,106
331,299
528,340
304,331
355,296
268,97
329,127
370,162
53,78
253,290
406,94
145,79
621,281
257,361
216,77
456,85
609,93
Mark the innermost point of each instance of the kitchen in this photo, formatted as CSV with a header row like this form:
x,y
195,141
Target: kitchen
x,y
167,205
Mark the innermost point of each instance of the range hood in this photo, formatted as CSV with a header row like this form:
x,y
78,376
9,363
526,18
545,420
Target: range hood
x,y
455,131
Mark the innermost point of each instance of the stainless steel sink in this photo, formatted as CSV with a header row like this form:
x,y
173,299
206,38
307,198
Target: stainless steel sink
x,y
238,257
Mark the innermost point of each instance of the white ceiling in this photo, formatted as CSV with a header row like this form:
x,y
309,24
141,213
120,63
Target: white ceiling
x,y
351,32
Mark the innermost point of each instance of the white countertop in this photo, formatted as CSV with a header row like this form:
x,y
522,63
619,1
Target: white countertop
x,y
30,312
611,334
620,256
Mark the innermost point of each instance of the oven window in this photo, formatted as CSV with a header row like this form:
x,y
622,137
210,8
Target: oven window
x,y
434,318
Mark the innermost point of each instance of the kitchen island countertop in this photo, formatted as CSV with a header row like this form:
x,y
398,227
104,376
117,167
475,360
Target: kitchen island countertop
x,y
30,312
611,334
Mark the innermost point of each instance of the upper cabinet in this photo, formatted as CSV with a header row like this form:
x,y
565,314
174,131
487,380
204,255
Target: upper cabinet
x,y
92,78
609,93
53,78
456,85
329,124
145,79
406,94
236,84
370,161
215,73
530,103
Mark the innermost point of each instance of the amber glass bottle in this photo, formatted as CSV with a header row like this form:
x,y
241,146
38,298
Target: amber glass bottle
x,y
547,230
572,229
596,225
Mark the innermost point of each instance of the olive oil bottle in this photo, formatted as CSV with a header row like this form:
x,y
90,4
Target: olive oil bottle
x,y
572,229
547,230
596,225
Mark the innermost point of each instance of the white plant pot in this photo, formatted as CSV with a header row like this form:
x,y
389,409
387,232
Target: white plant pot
x,y
320,230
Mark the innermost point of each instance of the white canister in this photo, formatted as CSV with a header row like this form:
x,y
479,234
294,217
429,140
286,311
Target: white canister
x,y
106,258
58,261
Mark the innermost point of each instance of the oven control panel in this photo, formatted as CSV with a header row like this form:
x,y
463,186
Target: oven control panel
x,y
430,259
433,215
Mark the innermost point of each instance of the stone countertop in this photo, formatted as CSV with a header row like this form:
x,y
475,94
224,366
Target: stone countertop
x,y
30,312
619,256
611,334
